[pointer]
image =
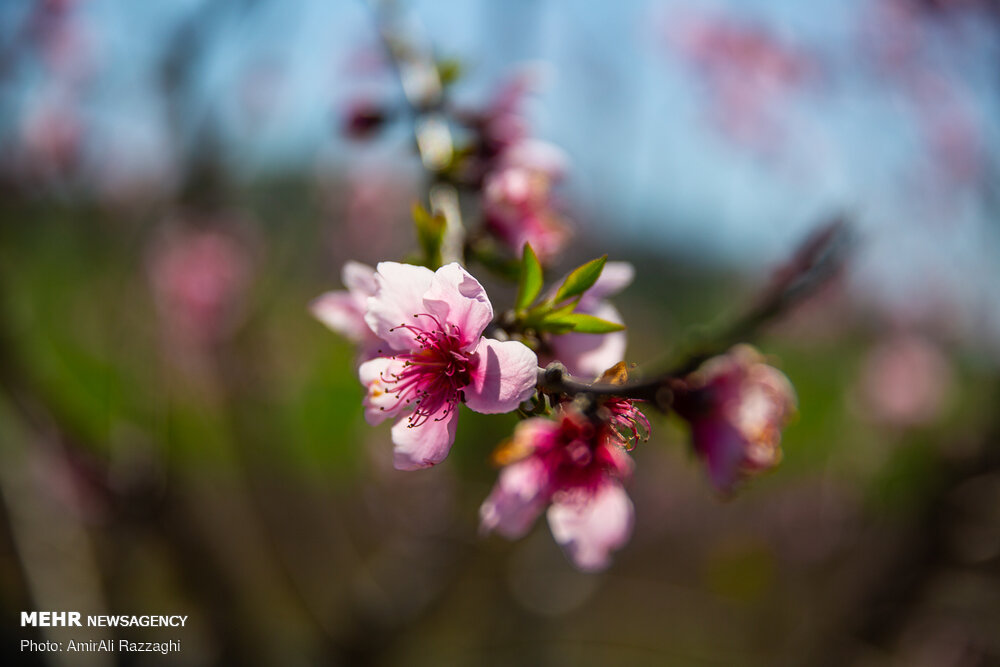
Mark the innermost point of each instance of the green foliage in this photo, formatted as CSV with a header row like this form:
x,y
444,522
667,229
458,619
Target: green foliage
x,y
583,323
430,234
556,315
580,279
531,279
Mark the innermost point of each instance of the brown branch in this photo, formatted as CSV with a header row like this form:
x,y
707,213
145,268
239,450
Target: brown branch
x,y
817,260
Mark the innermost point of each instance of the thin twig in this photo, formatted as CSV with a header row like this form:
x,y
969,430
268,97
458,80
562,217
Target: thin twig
x,y
816,261
414,61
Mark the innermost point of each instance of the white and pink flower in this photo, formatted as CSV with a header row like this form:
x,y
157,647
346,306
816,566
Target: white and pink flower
x,y
575,467
434,356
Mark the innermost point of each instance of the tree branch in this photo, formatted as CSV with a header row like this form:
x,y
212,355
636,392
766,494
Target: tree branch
x,y
817,260
418,73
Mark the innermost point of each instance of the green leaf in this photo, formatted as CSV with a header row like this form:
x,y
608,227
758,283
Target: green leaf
x,y
449,70
545,311
531,279
560,312
554,326
582,323
430,233
581,279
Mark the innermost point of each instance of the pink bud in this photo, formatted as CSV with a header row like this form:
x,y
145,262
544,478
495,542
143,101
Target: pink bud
x,y
737,406
364,118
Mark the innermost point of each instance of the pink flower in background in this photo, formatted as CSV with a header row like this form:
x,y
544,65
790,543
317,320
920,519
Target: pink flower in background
x,y
904,38
52,137
748,72
378,198
518,202
537,156
737,406
502,124
906,380
952,129
431,325
65,40
517,173
199,278
343,311
573,466
589,355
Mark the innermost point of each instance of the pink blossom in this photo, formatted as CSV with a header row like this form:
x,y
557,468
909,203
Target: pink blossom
x,y
518,202
502,124
517,212
906,380
537,156
588,355
951,126
199,279
575,467
343,311
377,197
52,138
431,325
900,35
737,406
747,72
517,173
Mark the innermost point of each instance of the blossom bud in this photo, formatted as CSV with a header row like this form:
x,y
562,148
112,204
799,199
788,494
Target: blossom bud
x,y
364,119
737,406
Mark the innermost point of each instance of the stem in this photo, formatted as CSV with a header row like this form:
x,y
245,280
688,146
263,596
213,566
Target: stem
x,y
418,74
817,260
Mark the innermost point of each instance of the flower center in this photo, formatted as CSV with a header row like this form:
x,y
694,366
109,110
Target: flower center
x,y
576,458
433,374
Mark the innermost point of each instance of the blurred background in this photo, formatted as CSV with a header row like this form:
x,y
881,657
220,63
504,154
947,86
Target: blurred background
x,y
178,435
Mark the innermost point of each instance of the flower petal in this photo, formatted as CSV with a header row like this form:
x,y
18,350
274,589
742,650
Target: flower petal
x,y
358,278
380,403
425,445
341,312
504,377
457,298
516,500
590,527
398,297
589,355
538,156
723,449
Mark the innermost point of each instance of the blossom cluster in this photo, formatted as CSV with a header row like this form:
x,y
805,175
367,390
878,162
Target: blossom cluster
x,y
429,341
423,352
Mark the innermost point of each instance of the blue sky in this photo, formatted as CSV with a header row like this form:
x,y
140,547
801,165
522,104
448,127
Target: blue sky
x,y
632,113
